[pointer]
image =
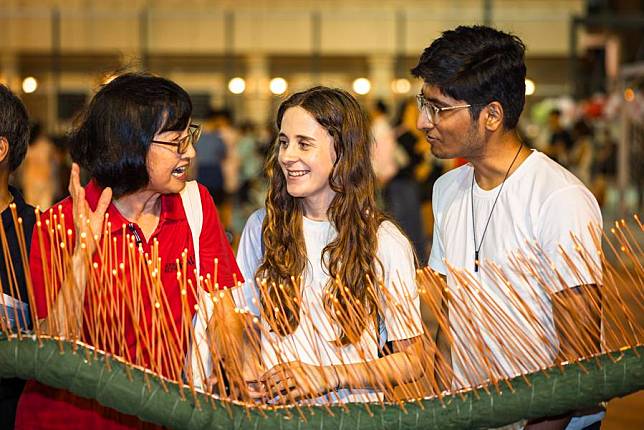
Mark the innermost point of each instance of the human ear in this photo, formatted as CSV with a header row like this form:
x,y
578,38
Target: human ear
x,y
493,119
4,149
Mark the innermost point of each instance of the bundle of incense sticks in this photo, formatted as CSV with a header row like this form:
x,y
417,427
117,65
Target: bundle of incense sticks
x,y
114,302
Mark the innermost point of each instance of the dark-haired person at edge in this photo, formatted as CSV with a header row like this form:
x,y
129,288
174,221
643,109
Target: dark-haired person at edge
x,y
472,96
14,135
136,141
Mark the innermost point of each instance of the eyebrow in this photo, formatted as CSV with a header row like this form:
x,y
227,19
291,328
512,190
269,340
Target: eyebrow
x,y
176,137
436,101
299,136
433,100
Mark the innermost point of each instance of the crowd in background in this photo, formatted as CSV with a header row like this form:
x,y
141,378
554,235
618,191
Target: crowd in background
x,y
230,157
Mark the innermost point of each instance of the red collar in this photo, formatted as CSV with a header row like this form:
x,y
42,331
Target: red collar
x,y
171,207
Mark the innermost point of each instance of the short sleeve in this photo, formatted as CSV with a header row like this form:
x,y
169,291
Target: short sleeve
x,y
249,257
213,244
437,254
571,212
401,303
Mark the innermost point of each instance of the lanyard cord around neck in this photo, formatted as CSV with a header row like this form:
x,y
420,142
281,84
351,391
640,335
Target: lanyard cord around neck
x,y
477,249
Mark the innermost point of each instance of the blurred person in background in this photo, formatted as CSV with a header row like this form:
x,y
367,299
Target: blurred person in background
x,y
225,129
604,169
580,158
14,135
210,154
560,142
64,166
265,139
40,169
252,186
402,195
384,151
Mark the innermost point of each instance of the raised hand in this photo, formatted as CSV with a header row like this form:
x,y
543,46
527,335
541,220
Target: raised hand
x,y
88,223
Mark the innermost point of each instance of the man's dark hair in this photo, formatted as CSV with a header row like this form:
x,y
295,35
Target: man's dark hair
x,y
478,65
115,131
14,126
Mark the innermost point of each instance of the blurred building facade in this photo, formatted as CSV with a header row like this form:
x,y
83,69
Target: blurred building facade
x,y
584,57
71,46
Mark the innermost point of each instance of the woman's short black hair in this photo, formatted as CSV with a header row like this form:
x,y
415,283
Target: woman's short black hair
x,y
115,131
478,65
14,126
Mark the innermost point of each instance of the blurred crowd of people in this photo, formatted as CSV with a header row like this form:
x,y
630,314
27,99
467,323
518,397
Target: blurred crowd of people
x,y
230,159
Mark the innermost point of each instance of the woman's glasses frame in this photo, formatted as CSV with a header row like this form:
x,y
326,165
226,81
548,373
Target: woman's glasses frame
x,y
194,132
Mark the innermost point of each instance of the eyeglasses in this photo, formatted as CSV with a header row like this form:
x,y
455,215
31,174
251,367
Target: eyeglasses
x,y
194,133
432,111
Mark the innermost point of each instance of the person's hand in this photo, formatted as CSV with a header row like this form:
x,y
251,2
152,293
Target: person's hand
x,y
252,391
297,380
88,223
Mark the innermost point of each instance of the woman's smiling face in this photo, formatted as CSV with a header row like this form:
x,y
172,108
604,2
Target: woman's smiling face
x,y
306,156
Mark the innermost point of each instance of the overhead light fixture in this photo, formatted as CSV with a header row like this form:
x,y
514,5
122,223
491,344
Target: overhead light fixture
x,y
237,85
401,86
362,86
29,84
278,86
530,87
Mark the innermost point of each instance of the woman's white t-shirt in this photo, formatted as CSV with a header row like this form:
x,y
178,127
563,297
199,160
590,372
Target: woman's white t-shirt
x,y
312,341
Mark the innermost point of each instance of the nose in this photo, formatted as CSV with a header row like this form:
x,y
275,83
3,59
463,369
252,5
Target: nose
x,y
190,152
289,154
423,122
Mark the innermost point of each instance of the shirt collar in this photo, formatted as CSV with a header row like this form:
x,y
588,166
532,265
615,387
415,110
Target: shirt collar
x,y
171,207
21,205
17,198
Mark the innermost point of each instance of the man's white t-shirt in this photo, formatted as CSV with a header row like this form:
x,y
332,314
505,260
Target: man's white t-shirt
x,y
539,207
312,341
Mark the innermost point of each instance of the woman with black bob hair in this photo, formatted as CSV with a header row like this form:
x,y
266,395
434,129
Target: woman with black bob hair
x,y
118,129
137,142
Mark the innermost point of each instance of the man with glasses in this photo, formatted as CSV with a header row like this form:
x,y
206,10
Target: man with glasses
x,y
472,96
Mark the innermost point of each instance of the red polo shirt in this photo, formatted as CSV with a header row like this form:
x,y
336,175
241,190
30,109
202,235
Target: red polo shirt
x,y
45,407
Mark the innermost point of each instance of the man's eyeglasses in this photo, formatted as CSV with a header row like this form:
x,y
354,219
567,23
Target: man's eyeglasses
x,y
432,111
194,132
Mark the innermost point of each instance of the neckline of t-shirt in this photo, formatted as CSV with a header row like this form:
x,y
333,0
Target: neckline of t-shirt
x,y
316,223
488,194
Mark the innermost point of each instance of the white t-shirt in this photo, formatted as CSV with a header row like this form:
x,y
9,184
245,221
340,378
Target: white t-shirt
x,y
311,342
540,205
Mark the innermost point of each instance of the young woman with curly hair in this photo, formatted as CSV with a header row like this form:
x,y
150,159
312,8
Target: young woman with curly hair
x,y
329,277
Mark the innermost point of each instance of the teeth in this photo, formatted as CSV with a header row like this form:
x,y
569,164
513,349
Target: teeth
x,y
179,171
296,173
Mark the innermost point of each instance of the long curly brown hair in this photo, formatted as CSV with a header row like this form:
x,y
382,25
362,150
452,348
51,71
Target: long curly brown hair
x,y
350,259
